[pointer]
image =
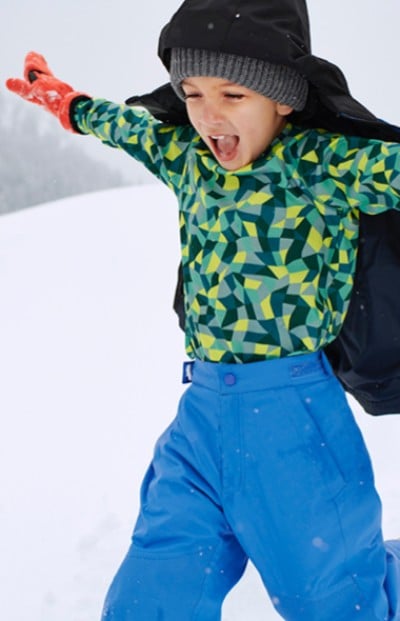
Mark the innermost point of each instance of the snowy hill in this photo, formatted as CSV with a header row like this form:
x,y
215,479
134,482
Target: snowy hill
x,y
90,362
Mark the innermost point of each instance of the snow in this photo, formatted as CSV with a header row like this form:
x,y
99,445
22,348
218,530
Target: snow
x,y
90,363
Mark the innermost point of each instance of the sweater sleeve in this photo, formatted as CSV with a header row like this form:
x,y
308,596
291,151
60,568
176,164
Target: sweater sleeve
x,y
160,147
364,173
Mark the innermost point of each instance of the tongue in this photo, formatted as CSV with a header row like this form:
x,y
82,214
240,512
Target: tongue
x,y
227,144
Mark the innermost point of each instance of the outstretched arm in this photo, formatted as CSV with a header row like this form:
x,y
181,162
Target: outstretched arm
x,y
160,147
40,86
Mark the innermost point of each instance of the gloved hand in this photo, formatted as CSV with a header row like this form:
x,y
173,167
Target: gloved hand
x,y
41,87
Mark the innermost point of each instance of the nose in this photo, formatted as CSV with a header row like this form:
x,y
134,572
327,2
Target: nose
x,y
211,115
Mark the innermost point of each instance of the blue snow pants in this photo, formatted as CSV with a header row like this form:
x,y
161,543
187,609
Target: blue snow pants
x,y
263,461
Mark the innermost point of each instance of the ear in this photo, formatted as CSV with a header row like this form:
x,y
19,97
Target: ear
x,y
283,109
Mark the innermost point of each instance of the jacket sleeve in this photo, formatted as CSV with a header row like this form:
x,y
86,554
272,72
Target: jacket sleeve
x,y
160,147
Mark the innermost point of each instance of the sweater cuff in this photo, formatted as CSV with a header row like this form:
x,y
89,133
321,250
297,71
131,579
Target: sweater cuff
x,y
67,111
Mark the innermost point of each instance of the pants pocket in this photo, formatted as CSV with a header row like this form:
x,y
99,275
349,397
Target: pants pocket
x,y
332,434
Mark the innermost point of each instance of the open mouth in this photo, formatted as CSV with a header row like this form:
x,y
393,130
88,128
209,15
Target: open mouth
x,y
225,146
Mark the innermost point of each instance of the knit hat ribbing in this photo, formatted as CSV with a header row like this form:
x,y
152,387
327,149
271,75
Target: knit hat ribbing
x,y
278,82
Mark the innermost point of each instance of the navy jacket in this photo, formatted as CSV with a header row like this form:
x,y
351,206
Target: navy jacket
x,y
366,354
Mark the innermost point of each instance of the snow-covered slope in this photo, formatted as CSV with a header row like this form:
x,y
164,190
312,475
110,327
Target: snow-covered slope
x,y
90,362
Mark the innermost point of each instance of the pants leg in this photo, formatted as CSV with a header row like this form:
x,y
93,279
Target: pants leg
x,y
263,461
300,497
184,557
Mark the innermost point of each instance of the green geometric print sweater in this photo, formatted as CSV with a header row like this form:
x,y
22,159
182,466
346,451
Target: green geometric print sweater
x,y
268,250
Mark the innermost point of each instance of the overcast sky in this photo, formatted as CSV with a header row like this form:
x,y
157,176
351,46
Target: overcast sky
x,y
109,48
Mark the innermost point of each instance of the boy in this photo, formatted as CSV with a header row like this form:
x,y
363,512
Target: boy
x,y
264,459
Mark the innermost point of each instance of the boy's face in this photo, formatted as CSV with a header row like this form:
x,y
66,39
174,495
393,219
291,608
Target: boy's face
x,y
236,123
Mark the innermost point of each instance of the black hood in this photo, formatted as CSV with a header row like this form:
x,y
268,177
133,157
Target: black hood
x,y
277,30
274,30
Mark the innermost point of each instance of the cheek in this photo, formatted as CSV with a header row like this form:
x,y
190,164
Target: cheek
x,y
193,117
257,139
254,125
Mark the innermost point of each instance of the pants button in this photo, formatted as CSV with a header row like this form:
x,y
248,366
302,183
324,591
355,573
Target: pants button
x,y
230,379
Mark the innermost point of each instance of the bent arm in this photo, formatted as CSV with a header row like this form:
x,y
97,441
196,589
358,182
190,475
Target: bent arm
x,y
369,170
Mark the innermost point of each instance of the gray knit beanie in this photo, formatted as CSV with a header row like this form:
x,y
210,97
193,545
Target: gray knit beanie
x,y
278,82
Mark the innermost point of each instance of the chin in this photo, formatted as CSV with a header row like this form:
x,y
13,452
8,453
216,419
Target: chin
x,y
234,165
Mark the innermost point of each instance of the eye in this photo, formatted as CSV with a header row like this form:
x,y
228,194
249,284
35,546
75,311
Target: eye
x,y
237,96
191,96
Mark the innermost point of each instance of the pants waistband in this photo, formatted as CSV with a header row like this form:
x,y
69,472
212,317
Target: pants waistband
x,y
276,373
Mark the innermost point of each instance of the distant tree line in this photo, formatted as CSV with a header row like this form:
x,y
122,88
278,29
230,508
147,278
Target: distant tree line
x,y
40,163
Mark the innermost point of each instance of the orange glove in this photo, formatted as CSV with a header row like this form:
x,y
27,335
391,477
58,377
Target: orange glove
x,y
41,87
